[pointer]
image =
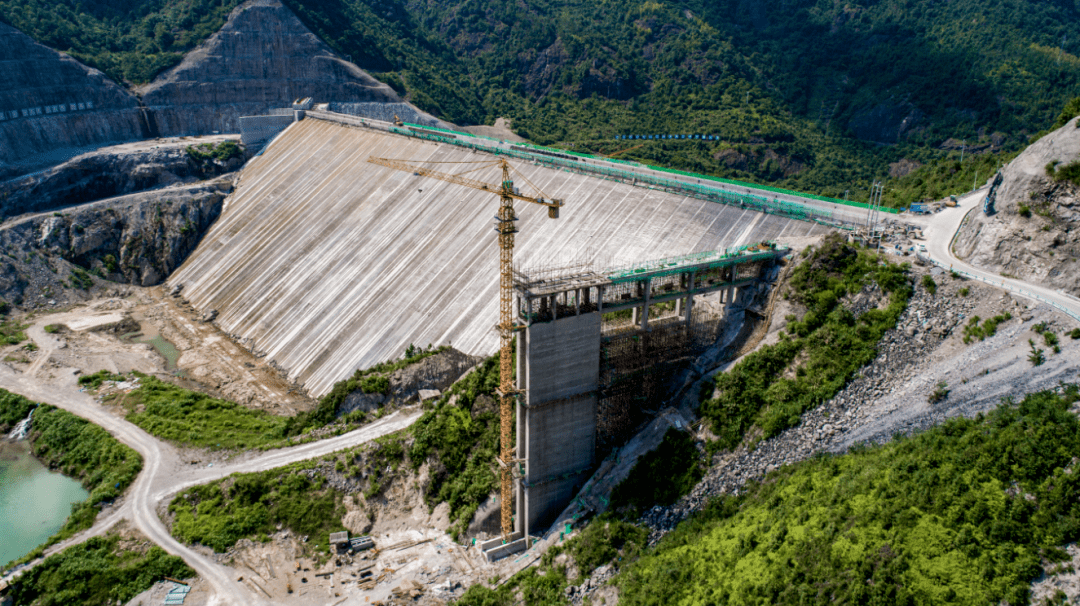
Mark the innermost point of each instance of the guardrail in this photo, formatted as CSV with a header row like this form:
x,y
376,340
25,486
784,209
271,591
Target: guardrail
x,y
1002,284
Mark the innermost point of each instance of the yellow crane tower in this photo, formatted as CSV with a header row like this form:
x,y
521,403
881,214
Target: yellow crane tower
x,y
506,229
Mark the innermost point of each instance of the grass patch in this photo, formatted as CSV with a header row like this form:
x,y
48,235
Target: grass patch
x,y
53,328
963,513
195,419
972,330
99,571
78,449
660,476
221,513
825,349
11,332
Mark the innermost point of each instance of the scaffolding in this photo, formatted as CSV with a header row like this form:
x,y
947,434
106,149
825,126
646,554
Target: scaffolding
x,y
649,329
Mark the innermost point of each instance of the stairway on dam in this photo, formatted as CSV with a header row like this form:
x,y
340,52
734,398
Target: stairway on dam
x,y
327,263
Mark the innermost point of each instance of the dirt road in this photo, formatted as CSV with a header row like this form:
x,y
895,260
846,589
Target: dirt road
x,y
160,478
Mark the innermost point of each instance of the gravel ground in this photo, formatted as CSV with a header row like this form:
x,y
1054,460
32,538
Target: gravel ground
x,y
889,397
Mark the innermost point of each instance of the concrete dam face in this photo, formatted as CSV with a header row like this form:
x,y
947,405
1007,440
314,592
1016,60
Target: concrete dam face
x,y
327,263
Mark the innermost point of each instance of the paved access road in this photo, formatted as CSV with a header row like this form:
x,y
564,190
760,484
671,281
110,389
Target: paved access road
x,y
163,473
939,230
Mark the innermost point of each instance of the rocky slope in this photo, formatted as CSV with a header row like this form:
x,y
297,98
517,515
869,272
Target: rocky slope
x,y
51,104
1032,235
52,259
116,171
263,57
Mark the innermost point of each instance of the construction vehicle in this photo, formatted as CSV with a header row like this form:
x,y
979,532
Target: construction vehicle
x,y
506,228
397,121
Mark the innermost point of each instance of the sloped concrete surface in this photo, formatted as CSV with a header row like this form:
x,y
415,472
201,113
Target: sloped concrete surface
x,y
327,263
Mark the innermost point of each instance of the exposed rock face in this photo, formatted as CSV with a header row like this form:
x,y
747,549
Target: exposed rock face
x,y
262,58
137,239
112,171
1033,233
51,104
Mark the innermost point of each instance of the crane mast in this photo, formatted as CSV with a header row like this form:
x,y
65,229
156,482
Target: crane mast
x,y
506,229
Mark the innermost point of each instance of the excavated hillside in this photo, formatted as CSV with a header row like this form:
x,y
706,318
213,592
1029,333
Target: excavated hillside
x,y
327,263
1032,235
262,58
52,107
53,259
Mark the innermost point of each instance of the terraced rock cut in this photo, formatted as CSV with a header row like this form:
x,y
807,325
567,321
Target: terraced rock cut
x,y
327,263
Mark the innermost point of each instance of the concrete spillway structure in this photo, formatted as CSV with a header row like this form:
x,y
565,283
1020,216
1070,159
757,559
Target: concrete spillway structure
x,y
327,263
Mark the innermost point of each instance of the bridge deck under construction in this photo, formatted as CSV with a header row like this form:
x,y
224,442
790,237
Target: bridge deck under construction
x,y
327,263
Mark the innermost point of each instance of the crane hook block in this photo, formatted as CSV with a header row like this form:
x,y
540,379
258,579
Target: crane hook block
x,y
553,212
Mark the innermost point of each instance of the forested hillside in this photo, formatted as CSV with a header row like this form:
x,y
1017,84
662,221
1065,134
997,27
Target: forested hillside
x,y
807,94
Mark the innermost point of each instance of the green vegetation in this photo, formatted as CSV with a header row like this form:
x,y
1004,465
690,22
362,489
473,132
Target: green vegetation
x,y
965,291
222,152
929,284
251,505
1075,334
606,539
798,94
773,386
1036,357
660,476
944,176
939,394
11,332
103,570
195,419
78,449
972,330
461,441
81,279
963,513
95,380
129,41
370,380
1069,172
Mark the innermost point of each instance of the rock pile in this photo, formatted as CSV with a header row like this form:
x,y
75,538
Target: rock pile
x,y
926,322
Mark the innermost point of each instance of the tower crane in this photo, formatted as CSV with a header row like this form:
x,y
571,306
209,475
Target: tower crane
x,y
506,229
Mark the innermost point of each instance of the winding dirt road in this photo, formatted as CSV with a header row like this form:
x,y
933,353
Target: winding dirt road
x,y
163,474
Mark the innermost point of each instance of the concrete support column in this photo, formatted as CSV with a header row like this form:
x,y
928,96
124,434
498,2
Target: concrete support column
x,y
577,302
647,284
634,315
600,299
529,311
678,306
690,295
587,293
554,307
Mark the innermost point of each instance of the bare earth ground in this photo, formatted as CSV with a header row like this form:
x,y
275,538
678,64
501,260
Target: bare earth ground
x,y
208,360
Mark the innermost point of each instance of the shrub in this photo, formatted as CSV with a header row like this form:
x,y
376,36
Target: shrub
x,y
1025,211
938,394
1036,356
662,475
53,328
965,513
972,330
929,284
1075,334
965,291
756,392
95,380
99,571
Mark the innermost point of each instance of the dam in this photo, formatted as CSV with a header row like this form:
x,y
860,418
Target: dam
x,y
325,263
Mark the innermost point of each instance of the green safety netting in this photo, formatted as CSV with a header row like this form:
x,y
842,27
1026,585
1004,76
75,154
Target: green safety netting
x,y
703,191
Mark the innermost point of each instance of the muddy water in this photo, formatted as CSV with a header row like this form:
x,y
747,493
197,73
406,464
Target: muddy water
x,y
34,502
149,334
